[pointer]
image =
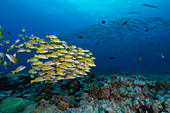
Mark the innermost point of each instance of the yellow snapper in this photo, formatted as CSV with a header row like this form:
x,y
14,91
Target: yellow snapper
x,y
21,50
1,36
36,63
51,36
20,68
23,29
48,67
38,79
12,58
49,63
6,42
11,47
41,56
32,60
5,64
2,55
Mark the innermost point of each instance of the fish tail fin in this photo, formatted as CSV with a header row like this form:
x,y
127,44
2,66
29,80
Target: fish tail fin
x,y
28,60
35,55
13,72
47,36
32,81
7,50
2,46
3,41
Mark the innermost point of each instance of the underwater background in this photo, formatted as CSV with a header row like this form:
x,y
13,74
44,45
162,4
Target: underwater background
x,y
146,36
127,38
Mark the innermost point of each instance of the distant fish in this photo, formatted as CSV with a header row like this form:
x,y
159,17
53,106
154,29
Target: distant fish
x,y
103,22
23,29
9,33
140,58
148,5
127,21
5,64
111,57
96,43
80,36
2,55
133,12
162,56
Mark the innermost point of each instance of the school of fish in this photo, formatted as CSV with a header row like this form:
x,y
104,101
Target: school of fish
x,y
54,60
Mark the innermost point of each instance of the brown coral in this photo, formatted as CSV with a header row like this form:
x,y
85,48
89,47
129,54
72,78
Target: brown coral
x,y
63,106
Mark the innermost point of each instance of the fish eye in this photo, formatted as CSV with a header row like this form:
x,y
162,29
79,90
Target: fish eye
x,y
44,78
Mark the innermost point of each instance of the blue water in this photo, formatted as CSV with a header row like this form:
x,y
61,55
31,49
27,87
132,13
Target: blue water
x,y
69,19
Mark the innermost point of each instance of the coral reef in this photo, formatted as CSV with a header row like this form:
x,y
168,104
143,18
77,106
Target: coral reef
x,y
15,105
112,93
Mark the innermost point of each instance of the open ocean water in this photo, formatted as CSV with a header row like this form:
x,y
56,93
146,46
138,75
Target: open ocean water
x,y
84,56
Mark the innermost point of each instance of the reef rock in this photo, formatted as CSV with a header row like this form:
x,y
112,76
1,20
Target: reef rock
x,y
41,107
15,105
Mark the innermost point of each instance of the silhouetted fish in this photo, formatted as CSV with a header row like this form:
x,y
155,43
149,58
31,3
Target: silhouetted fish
x,y
9,33
148,5
80,36
133,12
111,57
127,21
103,22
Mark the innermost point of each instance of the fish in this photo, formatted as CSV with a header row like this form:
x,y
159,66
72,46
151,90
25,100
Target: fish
x,y
1,36
23,29
5,64
47,67
162,56
61,60
17,41
103,22
90,63
127,20
80,36
38,79
111,57
11,47
51,36
140,58
20,35
21,50
20,68
6,42
148,5
41,56
32,60
32,71
135,12
9,33
12,58
49,63
2,45
2,55
19,46
36,63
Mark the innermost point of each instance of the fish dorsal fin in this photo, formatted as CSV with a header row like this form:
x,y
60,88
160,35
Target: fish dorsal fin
x,y
14,54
